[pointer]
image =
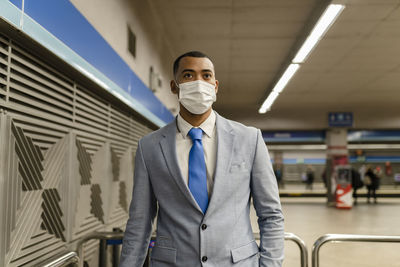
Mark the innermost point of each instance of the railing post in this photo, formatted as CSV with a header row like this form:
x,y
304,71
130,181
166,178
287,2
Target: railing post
x,y
347,238
300,243
302,246
103,253
115,257
102,236
116,250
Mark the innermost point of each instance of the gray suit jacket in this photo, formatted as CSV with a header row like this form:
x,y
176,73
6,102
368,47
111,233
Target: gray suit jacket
x,y
185,236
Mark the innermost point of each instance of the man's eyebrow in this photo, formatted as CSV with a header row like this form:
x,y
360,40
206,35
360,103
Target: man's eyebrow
x,y
191,70
206,70
185,70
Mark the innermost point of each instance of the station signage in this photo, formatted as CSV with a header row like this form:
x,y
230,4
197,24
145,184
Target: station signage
x,y
340,119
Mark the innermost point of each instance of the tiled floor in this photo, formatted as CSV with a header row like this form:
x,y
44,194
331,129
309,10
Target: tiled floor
x,y
310,218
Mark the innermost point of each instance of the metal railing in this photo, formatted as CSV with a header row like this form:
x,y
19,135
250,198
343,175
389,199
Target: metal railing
x,y
300,243
61,260
347,238
302,246
102,236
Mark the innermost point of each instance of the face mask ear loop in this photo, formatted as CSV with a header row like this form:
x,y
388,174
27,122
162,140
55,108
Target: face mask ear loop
x,y
177,85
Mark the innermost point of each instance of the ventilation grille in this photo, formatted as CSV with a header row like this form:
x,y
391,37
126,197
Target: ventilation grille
x,y
55,133
36,89
47,104
3,67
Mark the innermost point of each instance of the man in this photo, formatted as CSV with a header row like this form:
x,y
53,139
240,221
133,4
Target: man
x,y
201,170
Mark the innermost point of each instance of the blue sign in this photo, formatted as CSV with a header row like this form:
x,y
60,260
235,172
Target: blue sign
x,y
294,136
381,135
376,159
340,119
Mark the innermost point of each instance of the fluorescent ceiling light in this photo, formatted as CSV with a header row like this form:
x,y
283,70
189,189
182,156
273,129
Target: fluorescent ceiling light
x,y
323,24
325,21
280,85
266,106
285,78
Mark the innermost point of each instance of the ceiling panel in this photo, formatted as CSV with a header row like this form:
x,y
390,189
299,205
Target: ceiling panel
x,y
367,12
351,29
254,63
207,30
238,100
261,47
355,65
267,15
200,15
390,81
194,4
274,30
389,28
273,3
369,2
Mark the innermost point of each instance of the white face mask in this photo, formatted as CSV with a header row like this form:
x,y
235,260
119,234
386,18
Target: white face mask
x,y
197,96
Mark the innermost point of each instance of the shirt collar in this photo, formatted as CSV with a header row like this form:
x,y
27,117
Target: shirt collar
x,y
207,126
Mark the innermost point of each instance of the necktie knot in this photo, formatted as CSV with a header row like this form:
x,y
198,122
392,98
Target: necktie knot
x,y
196,133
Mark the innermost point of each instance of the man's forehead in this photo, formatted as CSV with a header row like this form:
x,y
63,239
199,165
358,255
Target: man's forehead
x,y
196,64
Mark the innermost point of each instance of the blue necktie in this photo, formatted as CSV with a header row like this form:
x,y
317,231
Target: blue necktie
x,y
197,170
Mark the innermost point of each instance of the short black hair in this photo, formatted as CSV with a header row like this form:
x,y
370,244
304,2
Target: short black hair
x,y
188,54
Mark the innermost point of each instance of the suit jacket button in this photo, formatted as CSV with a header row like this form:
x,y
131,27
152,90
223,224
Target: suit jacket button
x,y
204,259
203,226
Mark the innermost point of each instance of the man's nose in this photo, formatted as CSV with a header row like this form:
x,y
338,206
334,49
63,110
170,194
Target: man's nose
x,y
199,76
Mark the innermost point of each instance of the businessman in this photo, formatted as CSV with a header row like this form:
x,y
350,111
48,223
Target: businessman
x,y
197,175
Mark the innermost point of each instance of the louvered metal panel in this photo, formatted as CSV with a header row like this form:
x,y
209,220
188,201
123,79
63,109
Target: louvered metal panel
x,y
4,69
43,133
69,158
91,142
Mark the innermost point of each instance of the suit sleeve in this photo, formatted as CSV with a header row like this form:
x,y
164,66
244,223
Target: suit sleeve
x,y
142,212
266,201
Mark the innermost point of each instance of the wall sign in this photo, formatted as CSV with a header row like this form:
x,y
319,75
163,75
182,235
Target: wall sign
x,y
340,119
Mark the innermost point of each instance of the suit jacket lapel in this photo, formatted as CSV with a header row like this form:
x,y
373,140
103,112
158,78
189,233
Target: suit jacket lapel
x,y
225,141
168,147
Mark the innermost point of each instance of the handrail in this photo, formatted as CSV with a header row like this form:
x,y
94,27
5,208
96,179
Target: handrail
x,y
61,260
300,243
347,238
302,246
119,235
96,235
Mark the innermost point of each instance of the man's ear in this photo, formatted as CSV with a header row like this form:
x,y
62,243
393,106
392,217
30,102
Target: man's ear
x,y
174,87
216,86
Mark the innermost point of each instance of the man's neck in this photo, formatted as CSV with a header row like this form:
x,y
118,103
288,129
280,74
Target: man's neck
x,y
194,119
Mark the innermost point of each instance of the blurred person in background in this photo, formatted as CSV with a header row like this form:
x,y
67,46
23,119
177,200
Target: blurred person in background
x,y
356,183
371,180
310,177
324,177
278,170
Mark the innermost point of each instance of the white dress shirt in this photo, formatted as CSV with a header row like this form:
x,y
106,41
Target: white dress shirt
x,y
184,144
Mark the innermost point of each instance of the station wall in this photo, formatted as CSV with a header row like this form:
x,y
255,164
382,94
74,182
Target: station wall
x,y
66,158
112,19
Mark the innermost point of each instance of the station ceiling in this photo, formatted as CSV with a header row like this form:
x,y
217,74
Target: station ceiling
x,y
354,68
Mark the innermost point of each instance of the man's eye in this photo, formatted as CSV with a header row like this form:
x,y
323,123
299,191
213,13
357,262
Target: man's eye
x,y
187,75
207,76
